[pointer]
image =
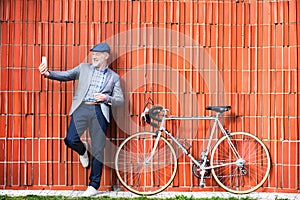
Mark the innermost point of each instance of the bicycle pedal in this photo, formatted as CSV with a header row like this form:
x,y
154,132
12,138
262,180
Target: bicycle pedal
x,y
202,185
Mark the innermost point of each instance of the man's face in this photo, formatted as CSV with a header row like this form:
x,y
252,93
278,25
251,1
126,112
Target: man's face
x,y
99,58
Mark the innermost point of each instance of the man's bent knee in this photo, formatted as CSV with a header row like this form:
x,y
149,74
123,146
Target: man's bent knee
x,y
69,142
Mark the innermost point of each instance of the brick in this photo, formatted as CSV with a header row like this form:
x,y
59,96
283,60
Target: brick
x,y
253,36
83,34
2,11
292,123
227,13
176,11
261,36
133,12
18,12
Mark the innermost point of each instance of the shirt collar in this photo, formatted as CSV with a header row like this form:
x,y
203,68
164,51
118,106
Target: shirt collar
x,y
103,70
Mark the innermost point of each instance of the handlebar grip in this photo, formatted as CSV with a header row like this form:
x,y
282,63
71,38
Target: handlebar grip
x,y
154,113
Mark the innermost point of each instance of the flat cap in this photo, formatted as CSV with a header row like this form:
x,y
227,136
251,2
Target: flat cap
x,y
101,47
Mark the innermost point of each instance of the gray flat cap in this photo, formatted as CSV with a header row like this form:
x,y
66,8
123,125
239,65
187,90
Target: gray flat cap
x,y
101,47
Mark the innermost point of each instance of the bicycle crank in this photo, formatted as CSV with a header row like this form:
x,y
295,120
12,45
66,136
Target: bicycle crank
x,y
197,171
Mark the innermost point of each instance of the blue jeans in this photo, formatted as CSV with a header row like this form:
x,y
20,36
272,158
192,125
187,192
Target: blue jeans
x,y
91,117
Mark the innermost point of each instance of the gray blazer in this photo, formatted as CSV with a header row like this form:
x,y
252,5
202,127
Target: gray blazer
x,y
83,73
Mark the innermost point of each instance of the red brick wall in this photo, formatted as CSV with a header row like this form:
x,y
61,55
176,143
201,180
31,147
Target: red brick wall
x,y
185,55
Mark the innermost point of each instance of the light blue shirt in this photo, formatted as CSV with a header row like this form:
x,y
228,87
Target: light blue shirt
x,y
96,84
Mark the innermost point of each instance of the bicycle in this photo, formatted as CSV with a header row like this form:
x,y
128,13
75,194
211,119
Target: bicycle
x,y
146,162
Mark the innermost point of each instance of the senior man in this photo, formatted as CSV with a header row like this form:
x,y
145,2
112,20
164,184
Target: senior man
x,y
98,90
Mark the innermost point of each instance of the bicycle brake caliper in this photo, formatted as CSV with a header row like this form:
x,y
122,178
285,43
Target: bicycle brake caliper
x,y
227,132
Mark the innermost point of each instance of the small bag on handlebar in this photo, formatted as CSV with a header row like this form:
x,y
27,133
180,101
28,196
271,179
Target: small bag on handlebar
x,y
151,115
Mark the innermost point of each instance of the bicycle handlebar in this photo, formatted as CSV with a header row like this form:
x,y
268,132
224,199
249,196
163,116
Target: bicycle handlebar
x,y
146,116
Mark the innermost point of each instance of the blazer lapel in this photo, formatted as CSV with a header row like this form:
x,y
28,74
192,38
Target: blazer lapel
x,y
108,75
89,75
86,79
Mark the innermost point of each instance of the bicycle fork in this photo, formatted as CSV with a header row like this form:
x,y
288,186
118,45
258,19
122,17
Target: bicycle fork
x,y
158,135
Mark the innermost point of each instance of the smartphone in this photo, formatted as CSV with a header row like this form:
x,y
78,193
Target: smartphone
x,y
44,60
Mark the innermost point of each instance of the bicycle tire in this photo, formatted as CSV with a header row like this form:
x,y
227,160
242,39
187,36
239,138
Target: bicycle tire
x,y
144,177
247,177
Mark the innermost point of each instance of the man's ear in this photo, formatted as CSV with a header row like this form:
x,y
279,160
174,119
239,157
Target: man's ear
x,y
106,55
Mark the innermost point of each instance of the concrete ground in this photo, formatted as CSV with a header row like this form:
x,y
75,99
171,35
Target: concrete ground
x,y
113,194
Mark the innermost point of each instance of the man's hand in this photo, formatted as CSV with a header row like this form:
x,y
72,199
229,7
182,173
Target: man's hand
x,y
44,70
100,97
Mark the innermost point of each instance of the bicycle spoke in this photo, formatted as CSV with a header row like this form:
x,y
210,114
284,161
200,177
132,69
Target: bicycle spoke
x,y
141,172
249,172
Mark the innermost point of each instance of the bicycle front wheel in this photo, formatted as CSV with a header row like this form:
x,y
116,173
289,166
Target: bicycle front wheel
x,y
242,164
142,172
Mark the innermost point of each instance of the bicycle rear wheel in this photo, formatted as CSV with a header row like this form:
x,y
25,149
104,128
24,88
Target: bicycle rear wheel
x,y
250,170
138,171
